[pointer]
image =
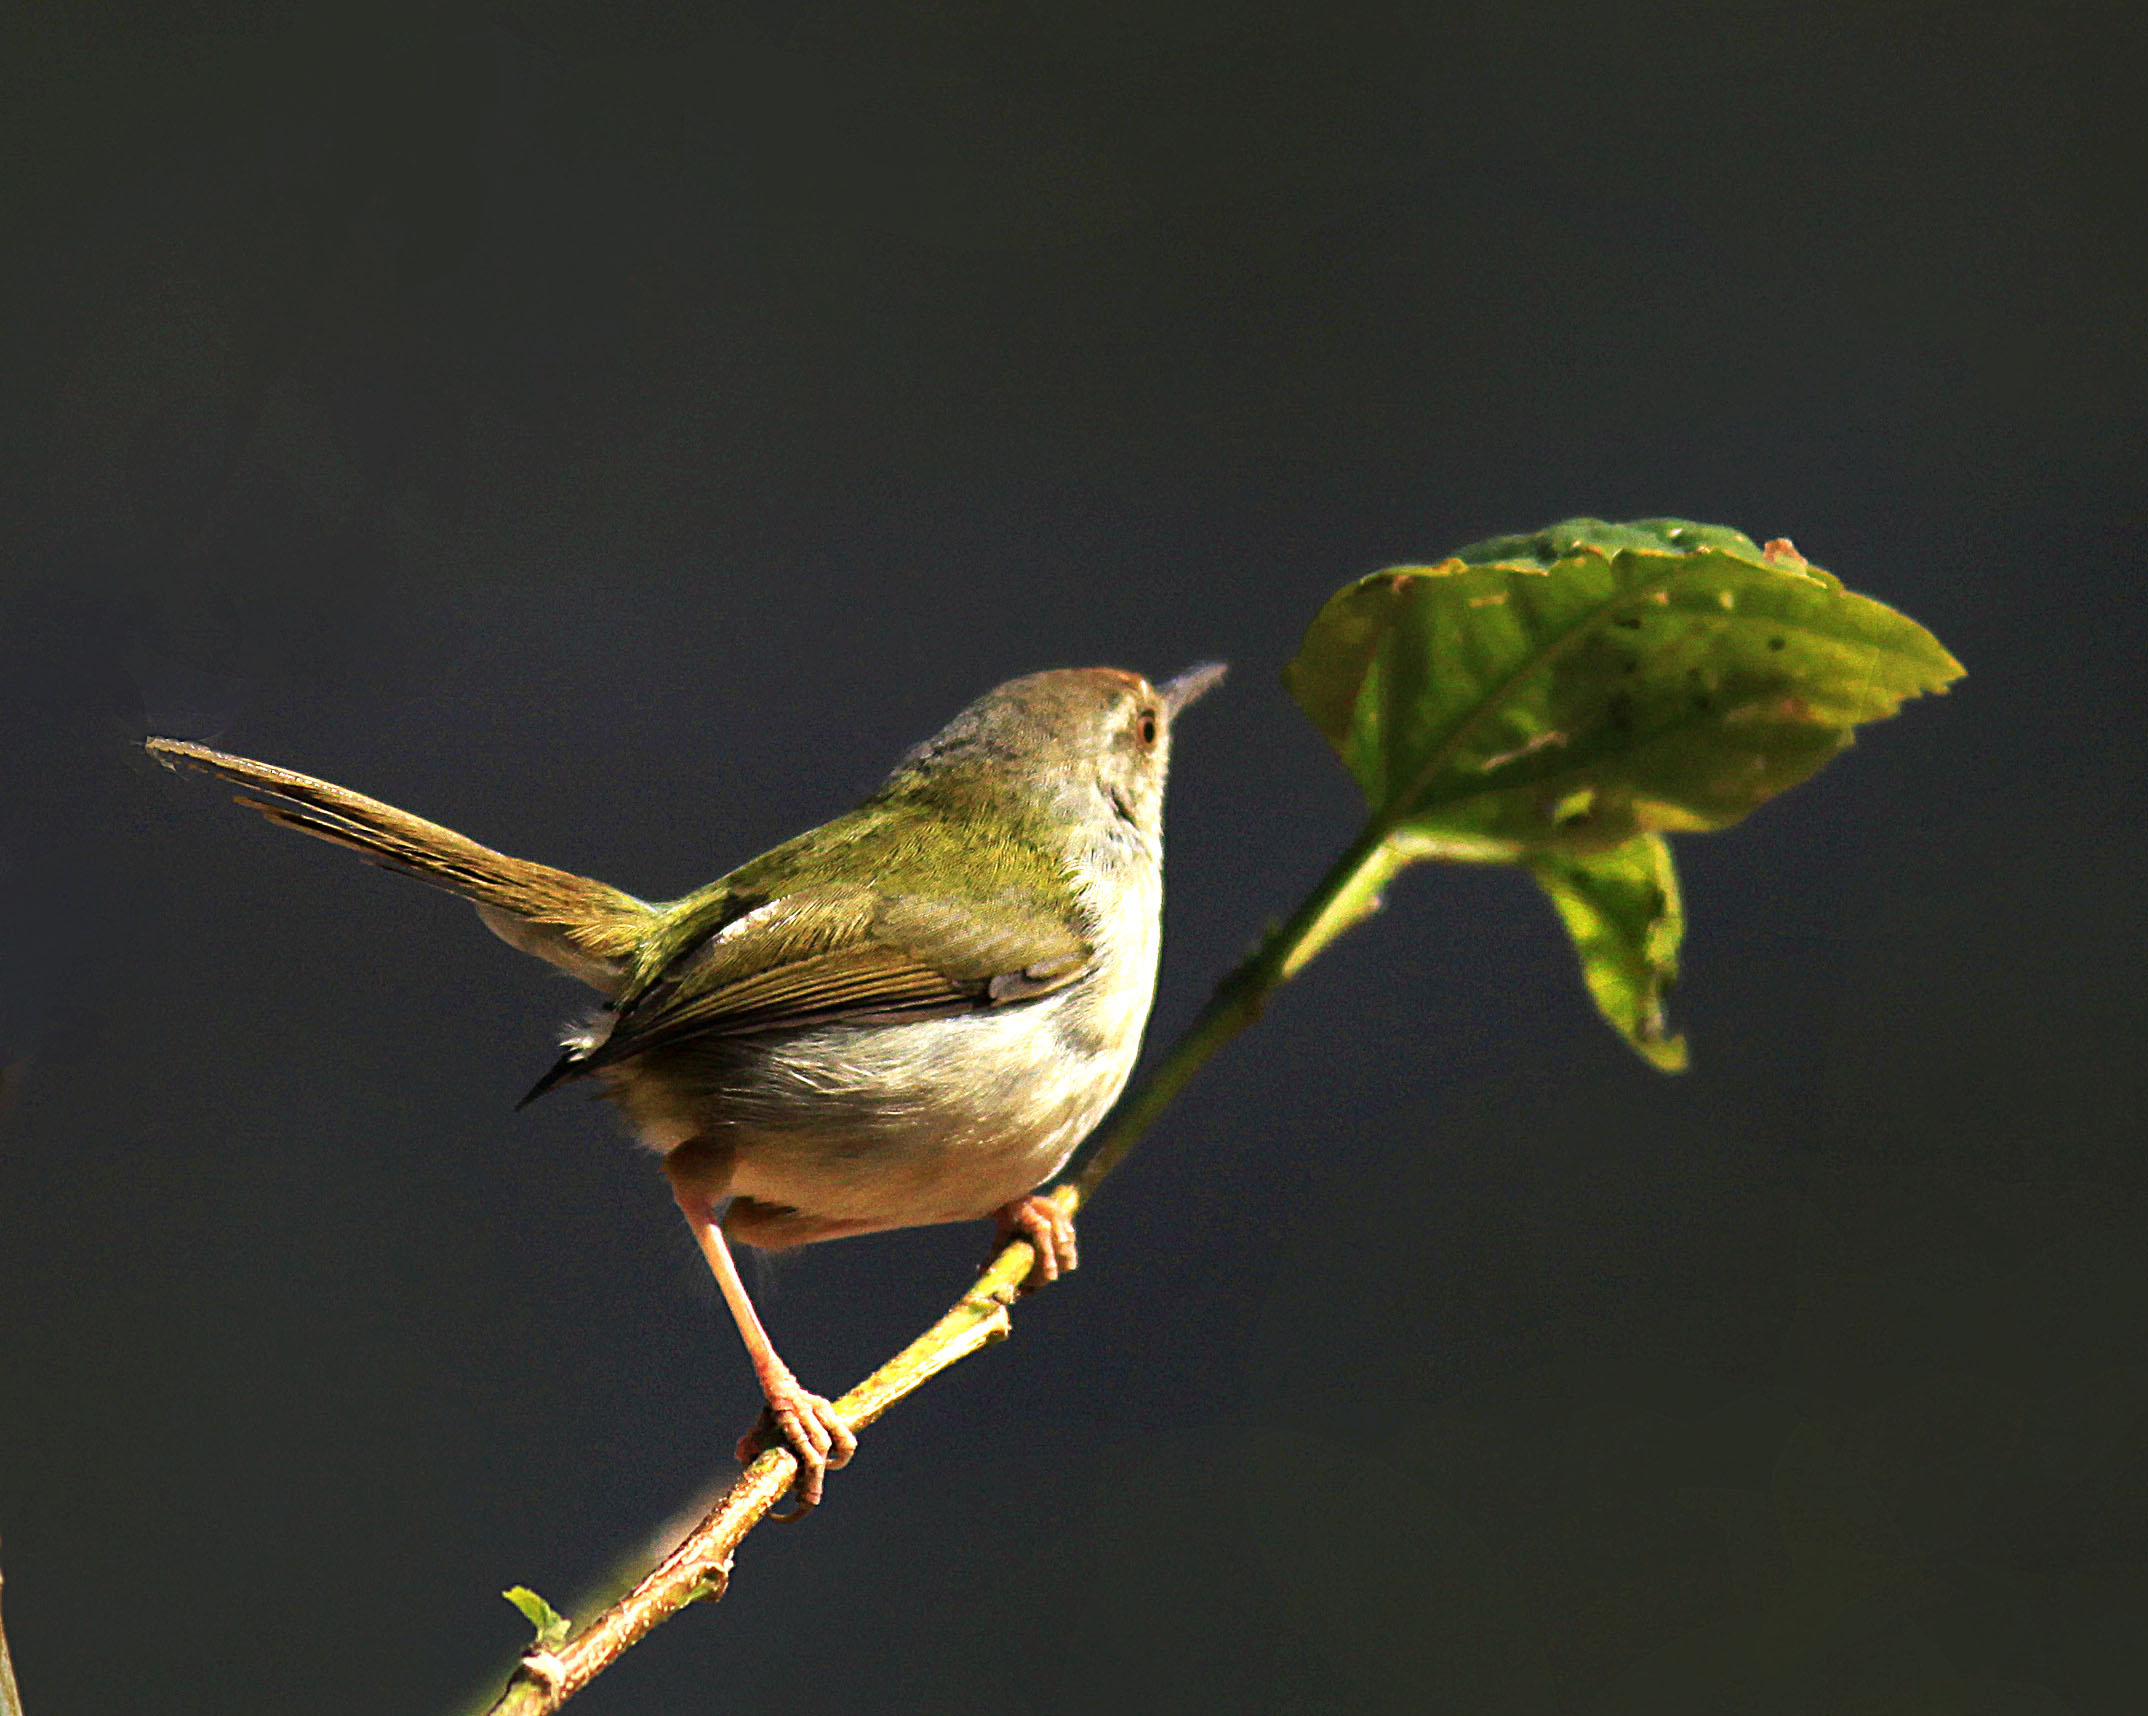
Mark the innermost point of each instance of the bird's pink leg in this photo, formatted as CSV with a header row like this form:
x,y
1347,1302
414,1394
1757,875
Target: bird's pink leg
x,y
809,1426
1048,1228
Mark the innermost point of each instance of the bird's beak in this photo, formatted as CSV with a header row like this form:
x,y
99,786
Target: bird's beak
x,y
1191,685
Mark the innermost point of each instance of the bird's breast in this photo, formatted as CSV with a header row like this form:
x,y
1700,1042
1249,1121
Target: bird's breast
x,y
1123,904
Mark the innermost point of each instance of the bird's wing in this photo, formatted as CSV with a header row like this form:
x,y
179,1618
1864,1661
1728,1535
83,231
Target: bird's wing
x,y
838,953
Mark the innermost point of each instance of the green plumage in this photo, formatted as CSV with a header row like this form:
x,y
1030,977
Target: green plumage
x,y
859,919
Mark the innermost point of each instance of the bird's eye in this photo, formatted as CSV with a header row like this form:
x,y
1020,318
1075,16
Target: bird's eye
x,y
1145,728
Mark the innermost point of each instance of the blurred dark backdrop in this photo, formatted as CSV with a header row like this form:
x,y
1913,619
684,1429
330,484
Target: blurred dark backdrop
x,y
617,430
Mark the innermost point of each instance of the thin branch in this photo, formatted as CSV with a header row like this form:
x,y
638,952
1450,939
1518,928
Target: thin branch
x,y
10,1694
700,1567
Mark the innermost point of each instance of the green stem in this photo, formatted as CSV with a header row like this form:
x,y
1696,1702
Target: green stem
x,y
699,1569
1349,892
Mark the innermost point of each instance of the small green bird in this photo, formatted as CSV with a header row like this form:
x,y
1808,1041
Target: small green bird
x,y
909,1015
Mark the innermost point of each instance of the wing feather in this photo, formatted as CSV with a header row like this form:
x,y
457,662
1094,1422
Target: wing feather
x,y
836,954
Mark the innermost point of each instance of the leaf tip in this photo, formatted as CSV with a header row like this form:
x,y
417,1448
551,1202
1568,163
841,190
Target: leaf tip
x,y
1665,1054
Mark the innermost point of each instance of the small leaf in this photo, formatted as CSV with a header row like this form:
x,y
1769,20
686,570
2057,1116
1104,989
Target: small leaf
x,y
1623,911
552,1626
1571,689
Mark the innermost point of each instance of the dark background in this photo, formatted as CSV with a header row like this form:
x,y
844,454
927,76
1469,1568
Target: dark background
x,y
619,430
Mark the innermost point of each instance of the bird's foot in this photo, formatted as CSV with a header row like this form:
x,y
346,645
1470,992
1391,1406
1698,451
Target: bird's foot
x,y
813,1431
1050,1232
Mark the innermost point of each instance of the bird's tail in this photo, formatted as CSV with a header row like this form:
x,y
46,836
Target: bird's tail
x,y
583,926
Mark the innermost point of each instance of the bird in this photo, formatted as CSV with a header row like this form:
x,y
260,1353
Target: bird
x,y
909,1015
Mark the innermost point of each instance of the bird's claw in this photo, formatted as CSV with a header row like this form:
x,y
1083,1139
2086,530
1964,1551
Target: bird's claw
x,y
815,1434
1050,1232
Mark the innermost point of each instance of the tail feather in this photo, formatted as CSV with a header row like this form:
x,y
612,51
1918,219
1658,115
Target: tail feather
x,y
583,926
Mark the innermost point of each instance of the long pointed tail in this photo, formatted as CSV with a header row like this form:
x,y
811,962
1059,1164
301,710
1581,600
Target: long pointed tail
x,y
583,926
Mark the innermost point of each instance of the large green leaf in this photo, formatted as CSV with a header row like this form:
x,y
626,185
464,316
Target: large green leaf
x,y
1571,689
1562,698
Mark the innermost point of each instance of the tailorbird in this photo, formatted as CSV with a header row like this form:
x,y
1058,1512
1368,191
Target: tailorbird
x,y
911,1014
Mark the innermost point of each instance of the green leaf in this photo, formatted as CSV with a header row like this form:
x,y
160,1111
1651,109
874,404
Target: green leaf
x,y
1623,911
1564,698
552,1626
1572,689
